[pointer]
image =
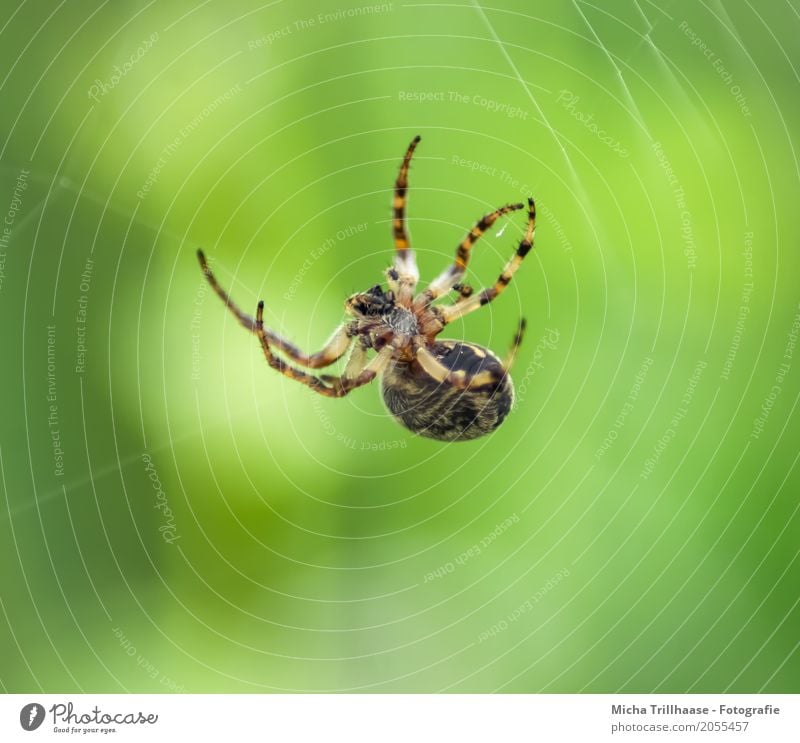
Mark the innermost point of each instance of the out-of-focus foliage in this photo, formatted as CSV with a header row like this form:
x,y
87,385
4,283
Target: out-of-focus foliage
x,y
178,516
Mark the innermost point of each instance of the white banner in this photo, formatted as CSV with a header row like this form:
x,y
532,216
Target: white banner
x,y
771,718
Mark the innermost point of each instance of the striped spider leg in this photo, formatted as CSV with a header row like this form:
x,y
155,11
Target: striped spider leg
x,y
404,274
462,378
332,351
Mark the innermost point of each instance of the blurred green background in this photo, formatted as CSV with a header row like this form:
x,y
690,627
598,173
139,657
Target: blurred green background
x,y
177,516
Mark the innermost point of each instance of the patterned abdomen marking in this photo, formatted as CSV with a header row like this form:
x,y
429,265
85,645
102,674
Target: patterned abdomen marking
x,y
440,411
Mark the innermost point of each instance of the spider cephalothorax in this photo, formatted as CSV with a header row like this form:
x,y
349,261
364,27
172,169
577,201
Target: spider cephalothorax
x,y
442,389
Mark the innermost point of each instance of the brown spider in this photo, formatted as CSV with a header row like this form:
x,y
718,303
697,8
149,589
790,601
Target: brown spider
x,y
445,389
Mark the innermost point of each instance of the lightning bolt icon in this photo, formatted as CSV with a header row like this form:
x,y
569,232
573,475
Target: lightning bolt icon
x,y
34,712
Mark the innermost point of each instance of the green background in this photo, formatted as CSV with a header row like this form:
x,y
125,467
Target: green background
x,y
317,545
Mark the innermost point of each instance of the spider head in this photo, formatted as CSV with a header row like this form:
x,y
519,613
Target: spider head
x,y
372,303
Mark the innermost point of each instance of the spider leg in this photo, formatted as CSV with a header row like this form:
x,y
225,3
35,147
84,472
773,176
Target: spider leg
x,y
459,309
511,356
401,242
406,273
355,363
243,317
458,379
333,350
336,386
465,291
448,279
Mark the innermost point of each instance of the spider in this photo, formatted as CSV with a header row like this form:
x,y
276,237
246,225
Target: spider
x,y
443,389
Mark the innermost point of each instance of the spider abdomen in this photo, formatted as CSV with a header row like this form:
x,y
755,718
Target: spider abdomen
x,y
441,411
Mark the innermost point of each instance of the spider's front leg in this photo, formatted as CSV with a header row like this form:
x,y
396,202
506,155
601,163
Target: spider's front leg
x,y
461,308
403,277
401,242
450,277
465,291
329,386
332,351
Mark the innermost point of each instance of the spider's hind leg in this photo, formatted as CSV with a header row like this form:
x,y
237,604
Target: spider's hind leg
x,y
243,317
511,356
333,349
330,386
